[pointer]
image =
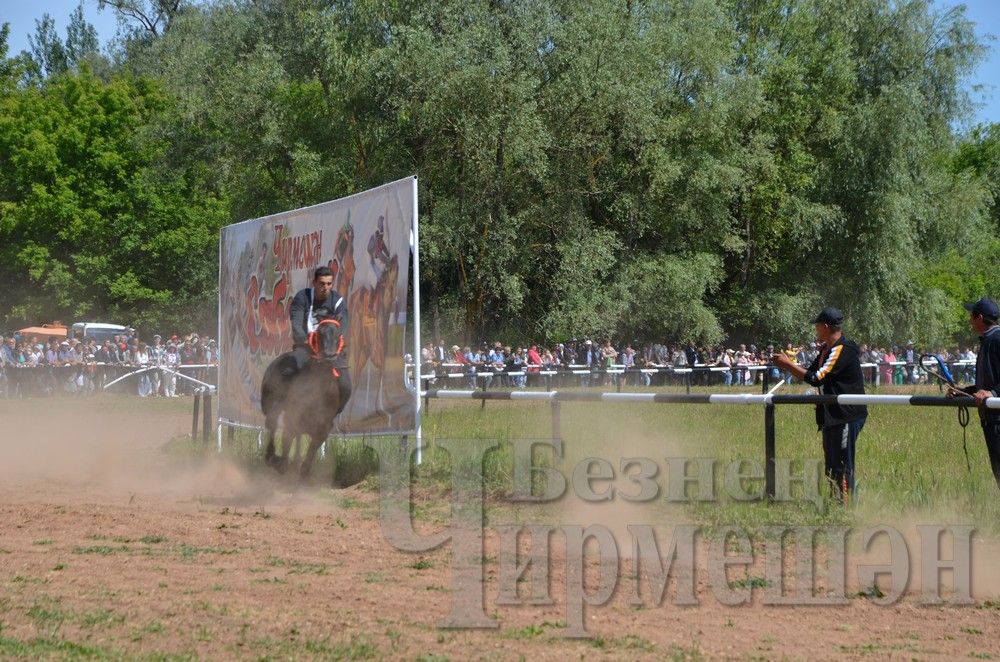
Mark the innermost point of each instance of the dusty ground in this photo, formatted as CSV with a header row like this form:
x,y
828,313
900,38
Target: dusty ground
x,y
111,547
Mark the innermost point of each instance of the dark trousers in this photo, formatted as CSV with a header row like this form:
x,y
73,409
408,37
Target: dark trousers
x,y
991,432
302,356
839,442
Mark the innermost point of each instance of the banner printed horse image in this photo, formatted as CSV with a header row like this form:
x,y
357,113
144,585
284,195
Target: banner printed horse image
x,y
307,402
370,308
344,259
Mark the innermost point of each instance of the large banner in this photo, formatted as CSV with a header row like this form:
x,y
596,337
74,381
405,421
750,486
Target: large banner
x,y
365,240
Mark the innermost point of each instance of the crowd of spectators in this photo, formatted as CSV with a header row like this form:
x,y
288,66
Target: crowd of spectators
x,y
605,362
32,366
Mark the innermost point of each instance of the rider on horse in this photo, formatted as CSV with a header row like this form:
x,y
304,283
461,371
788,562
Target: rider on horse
x,y
305,320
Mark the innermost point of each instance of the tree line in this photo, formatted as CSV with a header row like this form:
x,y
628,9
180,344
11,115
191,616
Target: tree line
x,y
643,169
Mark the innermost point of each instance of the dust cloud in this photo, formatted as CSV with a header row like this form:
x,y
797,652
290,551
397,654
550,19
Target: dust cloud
x,y
58,451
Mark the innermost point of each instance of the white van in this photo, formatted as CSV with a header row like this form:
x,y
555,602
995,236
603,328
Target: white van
x,y
97,331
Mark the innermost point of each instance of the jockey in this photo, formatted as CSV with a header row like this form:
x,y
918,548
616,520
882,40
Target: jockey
x,y
377,250
304,321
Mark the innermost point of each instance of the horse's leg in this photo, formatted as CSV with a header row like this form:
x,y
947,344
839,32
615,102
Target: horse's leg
x,y
271,425
288,434
316,439
269,449
291,448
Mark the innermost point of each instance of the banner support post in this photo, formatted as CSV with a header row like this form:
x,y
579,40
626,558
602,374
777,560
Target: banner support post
x,y
417,347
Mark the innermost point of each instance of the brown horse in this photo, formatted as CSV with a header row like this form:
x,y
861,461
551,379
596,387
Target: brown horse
x,y
308,400
370,308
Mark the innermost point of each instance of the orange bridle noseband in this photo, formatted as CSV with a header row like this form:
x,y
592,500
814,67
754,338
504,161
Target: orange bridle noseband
x,y
314,342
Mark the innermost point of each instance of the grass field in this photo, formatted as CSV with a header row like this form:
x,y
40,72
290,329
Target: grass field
x,y
910,460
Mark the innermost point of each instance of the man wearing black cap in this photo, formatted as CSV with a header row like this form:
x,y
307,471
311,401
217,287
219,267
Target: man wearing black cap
x,y
835,371
983,315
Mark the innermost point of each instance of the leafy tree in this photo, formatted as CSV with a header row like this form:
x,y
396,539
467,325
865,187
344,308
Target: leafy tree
x,y
87,227
689,170
49,54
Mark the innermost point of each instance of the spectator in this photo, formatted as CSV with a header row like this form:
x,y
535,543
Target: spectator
x,y
589,356
548,359
141,359
7,351
516,364
726,361
910,356
569,355
212,353
535,359
469,360
171,361
156,357
495,362
792,354
627,361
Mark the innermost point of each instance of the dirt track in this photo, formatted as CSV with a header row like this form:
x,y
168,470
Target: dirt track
x,y
112,547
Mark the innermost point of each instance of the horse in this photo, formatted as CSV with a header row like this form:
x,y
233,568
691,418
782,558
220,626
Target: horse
x,y
308,399
370,308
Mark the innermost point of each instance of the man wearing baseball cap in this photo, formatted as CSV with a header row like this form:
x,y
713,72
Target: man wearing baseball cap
x,y
836,370
983,316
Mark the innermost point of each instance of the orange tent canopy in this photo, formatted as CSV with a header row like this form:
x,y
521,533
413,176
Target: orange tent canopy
x,y
46,330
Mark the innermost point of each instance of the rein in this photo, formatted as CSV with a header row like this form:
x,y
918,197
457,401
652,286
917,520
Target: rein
x,y
944,376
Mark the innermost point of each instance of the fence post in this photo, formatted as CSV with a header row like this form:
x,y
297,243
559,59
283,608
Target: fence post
x,y
194,415
206,422
769,460
556,423
687,381
765,382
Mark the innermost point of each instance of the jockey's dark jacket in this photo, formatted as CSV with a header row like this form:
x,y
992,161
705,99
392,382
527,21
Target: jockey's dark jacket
x,y
837,372
303,304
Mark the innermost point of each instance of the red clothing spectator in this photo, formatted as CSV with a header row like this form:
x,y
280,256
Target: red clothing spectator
x,y
534,359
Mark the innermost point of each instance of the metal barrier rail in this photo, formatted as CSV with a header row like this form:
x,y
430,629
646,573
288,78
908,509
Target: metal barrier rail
x,y
768,400
91,377
487,373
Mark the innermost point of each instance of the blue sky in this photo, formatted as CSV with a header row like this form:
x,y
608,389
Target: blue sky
x,y
21,14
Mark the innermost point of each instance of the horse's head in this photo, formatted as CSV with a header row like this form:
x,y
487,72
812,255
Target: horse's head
x,y
327,341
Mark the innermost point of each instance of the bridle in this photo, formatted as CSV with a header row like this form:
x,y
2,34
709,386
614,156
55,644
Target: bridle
x,y
314,343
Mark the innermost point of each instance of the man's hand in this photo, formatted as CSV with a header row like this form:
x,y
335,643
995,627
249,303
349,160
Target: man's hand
x,y
781,361
981,395
953,392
